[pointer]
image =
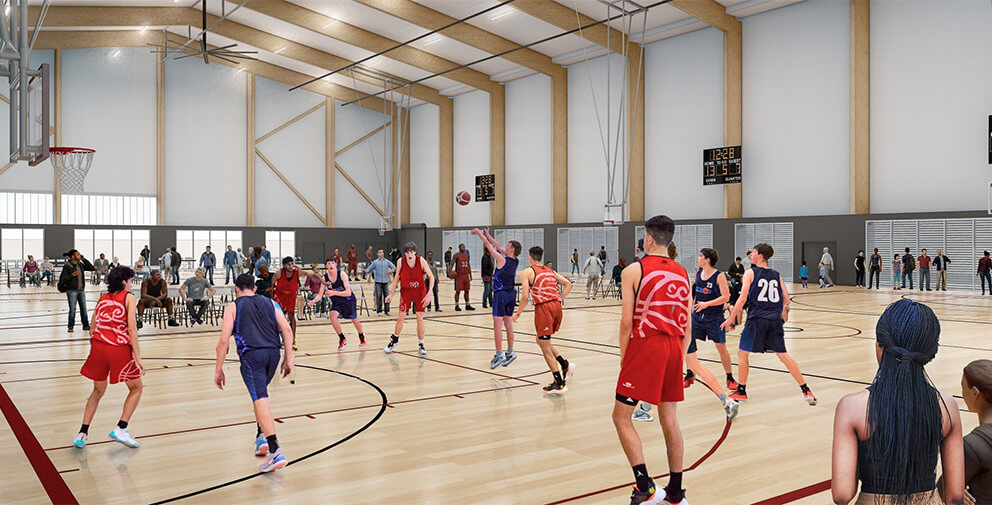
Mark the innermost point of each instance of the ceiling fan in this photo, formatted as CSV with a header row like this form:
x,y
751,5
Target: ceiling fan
x,y
188,49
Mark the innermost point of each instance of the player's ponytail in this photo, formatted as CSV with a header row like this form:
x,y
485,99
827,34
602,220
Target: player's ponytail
x,y
904,415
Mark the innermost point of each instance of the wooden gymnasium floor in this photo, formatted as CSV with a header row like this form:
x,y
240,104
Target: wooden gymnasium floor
x,y
363,427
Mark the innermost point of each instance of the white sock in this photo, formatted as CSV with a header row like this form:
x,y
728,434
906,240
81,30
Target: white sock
x,y
421,341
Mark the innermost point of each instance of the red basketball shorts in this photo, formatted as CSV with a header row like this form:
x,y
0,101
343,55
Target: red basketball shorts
x,y
414,298
113,361
652,370
463,283
547,318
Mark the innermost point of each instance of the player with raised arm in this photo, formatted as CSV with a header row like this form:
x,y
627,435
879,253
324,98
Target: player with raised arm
x,y
255,322
413,293
343,302
542,283
504,296
767,311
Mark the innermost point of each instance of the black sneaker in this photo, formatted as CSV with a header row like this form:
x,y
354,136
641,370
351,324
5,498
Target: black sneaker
x,y
638,497
458,308
469,307
86,328
139,324
555,389
172,322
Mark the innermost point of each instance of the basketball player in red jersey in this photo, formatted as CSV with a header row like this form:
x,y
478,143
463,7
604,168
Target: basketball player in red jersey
x,y
542,283
462,266
655,332
287,285
413,293
352,263
114,353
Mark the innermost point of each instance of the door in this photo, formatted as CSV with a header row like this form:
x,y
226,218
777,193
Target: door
x,y
813,251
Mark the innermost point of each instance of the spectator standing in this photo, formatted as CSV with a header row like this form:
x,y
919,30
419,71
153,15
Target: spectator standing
x,y
447,259
487,269
908,265
924,260
940,263
603,260
207,262
260,261
617,271
395,255
592,268
101,267
242,260
146,254
155,293
984,266
874,268
177,261
976,388
47,270
72,282
192,293
430,263
381,268
31,271
230,265
828,263
859,269
352,263
804,275
165,262
267,255
575,262
896,272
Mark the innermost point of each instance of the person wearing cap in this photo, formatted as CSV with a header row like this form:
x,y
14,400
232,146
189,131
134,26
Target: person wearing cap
x,y
72,282
192,293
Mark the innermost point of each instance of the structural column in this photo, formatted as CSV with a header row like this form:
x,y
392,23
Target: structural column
x,y
329,173
559,147
446,160
160,138
635,132
57,110
860,107
497,154
250,154
405,169
733,91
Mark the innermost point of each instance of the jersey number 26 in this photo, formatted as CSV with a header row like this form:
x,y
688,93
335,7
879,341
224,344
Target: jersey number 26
x,y
769,291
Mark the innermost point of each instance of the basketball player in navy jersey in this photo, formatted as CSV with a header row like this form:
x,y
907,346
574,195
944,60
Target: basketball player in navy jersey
x,y
255,322
768,310
504,294
711,293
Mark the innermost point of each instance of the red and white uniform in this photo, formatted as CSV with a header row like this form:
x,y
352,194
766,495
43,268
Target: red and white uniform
x,y
285,290
463,272
652,367
412,288
547,301
110,348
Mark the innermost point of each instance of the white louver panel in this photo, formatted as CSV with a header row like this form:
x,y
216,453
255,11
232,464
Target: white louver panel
x,y
586,239
688,239
778,235
878,234
452,238
960,249
528,237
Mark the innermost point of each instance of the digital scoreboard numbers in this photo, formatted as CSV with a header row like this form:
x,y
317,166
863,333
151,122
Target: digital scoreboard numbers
x,y
485,188
722,165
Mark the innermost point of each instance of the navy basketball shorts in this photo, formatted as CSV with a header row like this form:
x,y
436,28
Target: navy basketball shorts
x,y
504,303
763,335
692,342
706,327
258,367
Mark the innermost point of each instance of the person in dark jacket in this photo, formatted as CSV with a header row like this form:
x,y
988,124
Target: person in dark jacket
x,y
488,267
984,267
72,282
940,262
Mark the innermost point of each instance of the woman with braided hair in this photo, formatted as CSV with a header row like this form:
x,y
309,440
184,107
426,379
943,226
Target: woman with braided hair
x,y
888,436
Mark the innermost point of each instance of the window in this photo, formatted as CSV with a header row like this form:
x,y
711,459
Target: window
x,y
192,243
280,244
26,208
125,245
18,243
109,210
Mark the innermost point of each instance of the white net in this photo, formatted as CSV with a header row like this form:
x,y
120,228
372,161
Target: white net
x,y
71,166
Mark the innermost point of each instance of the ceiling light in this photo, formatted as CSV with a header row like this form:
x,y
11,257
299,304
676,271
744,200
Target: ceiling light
x,y
277,51
242,69
499,15
116,53
144,29
432,41
331,23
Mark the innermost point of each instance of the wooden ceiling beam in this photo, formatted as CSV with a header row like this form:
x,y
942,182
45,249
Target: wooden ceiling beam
x,y
81,17
358,37
710,12
465,33
567,19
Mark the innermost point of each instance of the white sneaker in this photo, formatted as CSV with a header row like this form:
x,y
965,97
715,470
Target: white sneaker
x,y
391,345
124,437
641,415
570,372
508,358
731,408
496,361
422,351
80,440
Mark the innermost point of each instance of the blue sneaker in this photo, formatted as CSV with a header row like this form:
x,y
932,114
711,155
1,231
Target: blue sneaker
x,y
274,462
261,446
123,436
80,441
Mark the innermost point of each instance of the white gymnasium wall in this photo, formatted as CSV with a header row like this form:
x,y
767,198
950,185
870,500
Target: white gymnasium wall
x,y
108,104
797,109
297,151
370,164
683,112
21,177
424,165
587,166
528,150
471,155
930,102
205,117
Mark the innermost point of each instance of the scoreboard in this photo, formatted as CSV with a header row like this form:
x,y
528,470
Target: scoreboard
x,y
722,165
485,188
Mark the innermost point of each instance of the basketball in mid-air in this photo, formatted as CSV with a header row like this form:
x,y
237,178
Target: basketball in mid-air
x,y
463,198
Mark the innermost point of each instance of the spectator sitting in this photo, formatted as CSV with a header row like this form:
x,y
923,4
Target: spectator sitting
x,y
196,303
31,271
155,293
141,271
47,270
102,268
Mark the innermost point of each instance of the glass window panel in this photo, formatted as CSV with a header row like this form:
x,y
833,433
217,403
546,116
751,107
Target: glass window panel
x,y
103,242
18,207
123,248
34,243
4,218
288,244
234,239
83,240
184,242
11,244
272,243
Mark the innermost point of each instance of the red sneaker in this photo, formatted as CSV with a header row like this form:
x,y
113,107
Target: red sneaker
x,y
732,384
342,342
810,399
739,397
689,379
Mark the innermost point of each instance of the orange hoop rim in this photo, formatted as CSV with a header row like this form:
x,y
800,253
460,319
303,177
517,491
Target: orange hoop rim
x,y
70,150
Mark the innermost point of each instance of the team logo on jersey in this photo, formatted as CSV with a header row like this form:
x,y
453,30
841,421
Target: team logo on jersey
x,y
108,315
662,303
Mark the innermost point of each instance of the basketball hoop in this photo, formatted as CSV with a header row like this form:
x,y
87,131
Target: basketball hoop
x,y
383,226
613,214
71,165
